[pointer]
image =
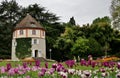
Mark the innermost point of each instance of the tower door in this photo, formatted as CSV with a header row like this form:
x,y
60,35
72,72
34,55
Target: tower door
x,y
36,53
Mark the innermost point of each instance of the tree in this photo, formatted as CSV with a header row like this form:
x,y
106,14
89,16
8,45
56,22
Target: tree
x,y
95,48
72,21
64,43
102,32
80,47
115,13
9,15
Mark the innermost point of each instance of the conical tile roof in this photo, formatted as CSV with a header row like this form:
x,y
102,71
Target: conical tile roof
x,y
28,22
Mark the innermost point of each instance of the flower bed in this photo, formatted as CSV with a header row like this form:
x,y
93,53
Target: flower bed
x,y
69,69
108,59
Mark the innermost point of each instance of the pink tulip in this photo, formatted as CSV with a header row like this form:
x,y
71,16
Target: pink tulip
x,y
11,72
41,74
52,70
3,69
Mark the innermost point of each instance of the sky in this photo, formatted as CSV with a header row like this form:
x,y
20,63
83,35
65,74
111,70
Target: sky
x,y
84,11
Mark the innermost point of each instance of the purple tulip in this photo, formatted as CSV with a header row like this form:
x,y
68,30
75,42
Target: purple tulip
x,y
70,63
118,65
37,63
8,66
83,62
46,65
24,64
43,70
54,65
16,70
89,62
93,64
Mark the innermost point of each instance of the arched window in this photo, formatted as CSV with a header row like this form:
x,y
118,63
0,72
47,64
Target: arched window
x,y
33,32
21,32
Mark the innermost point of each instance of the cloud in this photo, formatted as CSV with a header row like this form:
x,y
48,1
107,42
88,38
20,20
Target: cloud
x,y
84,11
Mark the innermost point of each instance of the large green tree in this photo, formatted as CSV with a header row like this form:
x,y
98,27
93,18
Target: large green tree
x,y
80,47
101,31
9,15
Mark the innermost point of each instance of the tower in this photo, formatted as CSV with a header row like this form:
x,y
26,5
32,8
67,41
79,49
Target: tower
x,y
29,28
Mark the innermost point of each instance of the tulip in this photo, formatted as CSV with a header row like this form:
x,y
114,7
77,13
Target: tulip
x,y
70,63
102,70
63,74
16,70
27,76
93,64
54,65
71,71
11,72
8,66
3,69
41,74
118,65
87,73
37,63
46,65
24,65
118,75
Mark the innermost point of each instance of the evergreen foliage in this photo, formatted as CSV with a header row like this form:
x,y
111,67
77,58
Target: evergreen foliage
x,y
23,48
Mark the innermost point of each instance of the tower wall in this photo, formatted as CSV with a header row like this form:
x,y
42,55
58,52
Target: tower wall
x,y
13,55
40,46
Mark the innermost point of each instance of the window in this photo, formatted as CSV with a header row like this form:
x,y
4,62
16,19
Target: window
x,y
33,32
43,33
35,41
32,24
21,32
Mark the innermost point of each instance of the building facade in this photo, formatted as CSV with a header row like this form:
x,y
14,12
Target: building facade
x,y
30,28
